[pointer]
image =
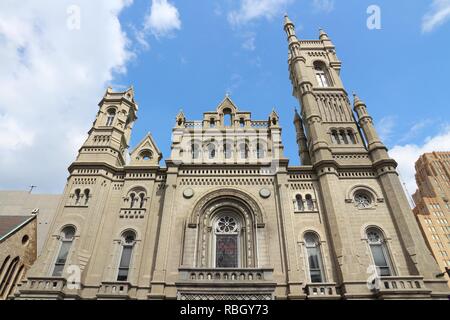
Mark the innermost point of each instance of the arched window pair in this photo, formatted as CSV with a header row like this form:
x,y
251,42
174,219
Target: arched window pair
x,y
137,200
302,205
343,136
66,239
78,195
322,76
10,273
127,243
111,115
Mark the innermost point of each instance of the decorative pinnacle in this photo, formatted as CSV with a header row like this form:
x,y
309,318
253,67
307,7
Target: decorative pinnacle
x,y
296,115
322,34
287,21
356,100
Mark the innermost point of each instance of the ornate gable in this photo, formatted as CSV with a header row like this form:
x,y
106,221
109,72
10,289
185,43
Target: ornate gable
x,y
146,153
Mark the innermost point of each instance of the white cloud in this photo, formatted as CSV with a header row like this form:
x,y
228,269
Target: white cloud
x,y
163,19
438,14
254,9
323,5
385,127
51,81
407,155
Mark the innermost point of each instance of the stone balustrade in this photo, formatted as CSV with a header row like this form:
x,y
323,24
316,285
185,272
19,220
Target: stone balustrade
x,y
321,290
410,283
45,284
111,289
225,275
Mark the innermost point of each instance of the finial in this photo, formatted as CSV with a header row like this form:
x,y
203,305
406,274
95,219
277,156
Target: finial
x,y
322,34
356,100
287,21
296,115
227,94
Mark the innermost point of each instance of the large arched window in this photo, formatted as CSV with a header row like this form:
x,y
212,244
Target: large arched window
x,y
66,238
110,118
226,231
322,76
128,241
379,250
315,263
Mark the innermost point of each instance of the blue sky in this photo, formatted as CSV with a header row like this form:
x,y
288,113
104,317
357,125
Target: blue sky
x,y
178,54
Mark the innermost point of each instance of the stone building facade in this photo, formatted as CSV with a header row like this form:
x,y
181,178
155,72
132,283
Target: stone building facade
x,y
227,217
432,209
18,247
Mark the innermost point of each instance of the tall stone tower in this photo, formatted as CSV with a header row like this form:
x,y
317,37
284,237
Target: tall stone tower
x,y
110,134
341,145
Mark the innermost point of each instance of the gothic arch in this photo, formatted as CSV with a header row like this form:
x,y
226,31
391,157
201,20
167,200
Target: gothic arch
x,y
351,192
221,203
237,195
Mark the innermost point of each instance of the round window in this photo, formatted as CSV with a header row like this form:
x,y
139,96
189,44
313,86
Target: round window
x,y
226,224
363,200
25,240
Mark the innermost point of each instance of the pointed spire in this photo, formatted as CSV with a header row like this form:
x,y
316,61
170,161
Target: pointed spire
x,y
323,35
274,114
297,115
287,21
289,28
357,101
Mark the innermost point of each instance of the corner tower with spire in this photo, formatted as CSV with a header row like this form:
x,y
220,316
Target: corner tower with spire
x,y
342,145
